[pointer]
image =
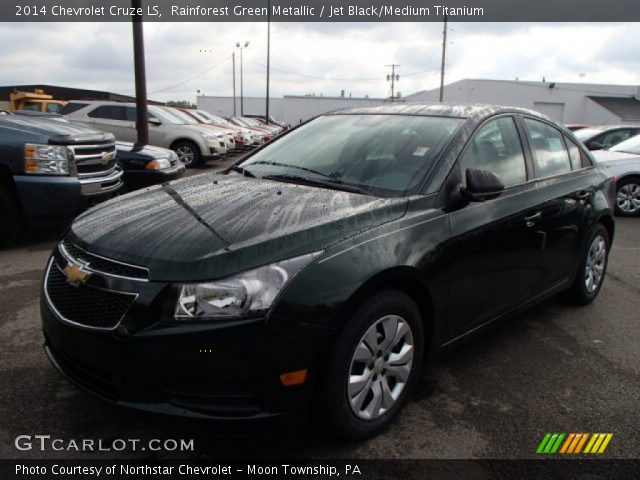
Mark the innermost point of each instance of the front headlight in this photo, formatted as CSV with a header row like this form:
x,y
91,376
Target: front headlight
x,y
158,164
242,295
209,137
46,159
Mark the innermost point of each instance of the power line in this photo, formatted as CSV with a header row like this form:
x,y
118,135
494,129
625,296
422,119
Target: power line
x,y
192,78
331,79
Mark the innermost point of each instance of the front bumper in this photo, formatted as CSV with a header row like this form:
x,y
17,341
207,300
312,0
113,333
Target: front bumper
x,y
47,200
227,372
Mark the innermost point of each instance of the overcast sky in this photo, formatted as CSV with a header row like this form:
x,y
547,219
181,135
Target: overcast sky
x,y
320,58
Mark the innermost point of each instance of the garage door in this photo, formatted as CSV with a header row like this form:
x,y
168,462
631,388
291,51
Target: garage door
x,y
554,111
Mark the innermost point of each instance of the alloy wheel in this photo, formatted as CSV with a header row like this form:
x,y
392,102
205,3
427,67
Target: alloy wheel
x,y
185,154
596,261
380,367
628,198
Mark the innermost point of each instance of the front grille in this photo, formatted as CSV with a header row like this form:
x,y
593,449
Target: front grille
x,y
84,305
94,160
103,265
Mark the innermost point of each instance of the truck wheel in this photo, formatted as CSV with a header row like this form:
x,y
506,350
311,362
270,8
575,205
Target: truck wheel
x,y
373,368
11,222
188,153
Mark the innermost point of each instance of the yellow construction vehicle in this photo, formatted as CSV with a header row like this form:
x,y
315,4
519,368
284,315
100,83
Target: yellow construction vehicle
x,y
37,101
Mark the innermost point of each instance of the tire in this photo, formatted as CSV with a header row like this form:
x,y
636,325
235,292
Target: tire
x,y
587,284
188,153
11,221
335,409
628,197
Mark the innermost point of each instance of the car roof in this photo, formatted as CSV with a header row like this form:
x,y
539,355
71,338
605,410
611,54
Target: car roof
x,y
454,110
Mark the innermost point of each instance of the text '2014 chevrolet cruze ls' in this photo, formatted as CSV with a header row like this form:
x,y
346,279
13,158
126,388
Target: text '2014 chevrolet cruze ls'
x,y
316,276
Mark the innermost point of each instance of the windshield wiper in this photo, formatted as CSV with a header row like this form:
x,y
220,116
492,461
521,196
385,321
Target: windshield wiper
x,y
297,167
317,183
242,170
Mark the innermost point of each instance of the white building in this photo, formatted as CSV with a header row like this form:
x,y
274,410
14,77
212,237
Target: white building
x,y
565,102
291,109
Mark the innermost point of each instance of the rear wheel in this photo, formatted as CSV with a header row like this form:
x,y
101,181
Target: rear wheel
x,y
11,222
373,368
188,153
593,267
628,197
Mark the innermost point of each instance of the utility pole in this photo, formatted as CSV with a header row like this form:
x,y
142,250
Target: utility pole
x,y
444,51
141,79
233,59
268,57
393,78
241,47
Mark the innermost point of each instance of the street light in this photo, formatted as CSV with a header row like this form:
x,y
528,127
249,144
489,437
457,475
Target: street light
x,y
241,47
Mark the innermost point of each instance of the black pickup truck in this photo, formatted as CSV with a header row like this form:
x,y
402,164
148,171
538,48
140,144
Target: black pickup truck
x,y
50,170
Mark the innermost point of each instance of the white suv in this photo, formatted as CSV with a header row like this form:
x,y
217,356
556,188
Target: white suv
x,y
194,144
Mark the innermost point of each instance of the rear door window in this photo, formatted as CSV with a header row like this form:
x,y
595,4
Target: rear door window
x,y
550,156
109,112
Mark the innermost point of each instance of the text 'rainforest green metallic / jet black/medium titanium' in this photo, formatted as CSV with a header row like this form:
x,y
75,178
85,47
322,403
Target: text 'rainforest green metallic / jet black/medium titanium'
x,y
321,272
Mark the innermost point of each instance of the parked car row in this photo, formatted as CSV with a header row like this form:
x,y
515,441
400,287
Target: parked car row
x,y
617,147
195,135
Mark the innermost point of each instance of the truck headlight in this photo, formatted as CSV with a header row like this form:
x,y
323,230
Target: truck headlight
x,y
241,295
46,159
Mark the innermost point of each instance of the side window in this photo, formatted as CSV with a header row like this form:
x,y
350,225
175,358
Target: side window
x,y
108,112
496,147
550,155
610,139
574,155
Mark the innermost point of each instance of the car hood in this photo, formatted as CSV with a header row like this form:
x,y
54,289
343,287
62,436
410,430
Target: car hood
x,y
608,157
147,152
57,131
215,225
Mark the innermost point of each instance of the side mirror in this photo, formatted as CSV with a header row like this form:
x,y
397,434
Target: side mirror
x,y
593,145
481,185
155,121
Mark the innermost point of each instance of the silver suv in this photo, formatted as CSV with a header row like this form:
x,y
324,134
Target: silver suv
x,y
194,144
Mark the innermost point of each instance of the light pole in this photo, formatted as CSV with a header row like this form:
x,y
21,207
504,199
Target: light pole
x,y
233,59
266,115
142,126
241,47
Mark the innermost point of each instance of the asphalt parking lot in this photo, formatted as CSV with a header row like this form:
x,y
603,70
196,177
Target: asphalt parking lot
x,y
556,368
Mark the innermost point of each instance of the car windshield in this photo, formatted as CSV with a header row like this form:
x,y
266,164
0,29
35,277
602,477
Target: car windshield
x,y
200,117
186,118
586,133
213,119
166,116
630,145
382,155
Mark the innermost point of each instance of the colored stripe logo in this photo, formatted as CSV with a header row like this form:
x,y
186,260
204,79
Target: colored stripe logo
x,y
573,443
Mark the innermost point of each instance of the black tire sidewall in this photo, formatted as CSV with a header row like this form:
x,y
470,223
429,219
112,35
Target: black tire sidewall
x,y
333,409
622,183
580,293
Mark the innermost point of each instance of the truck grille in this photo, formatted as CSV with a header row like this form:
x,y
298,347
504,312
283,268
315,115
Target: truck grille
x,y
101,264
94,160
85,305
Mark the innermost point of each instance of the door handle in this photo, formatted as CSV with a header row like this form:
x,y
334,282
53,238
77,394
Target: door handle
x,y
583,195
531,220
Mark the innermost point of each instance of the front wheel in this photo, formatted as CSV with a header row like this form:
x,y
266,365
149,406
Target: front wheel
x,y
373,368
188,153
628,197
593,266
